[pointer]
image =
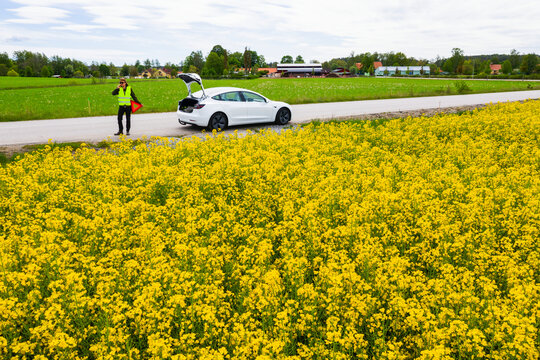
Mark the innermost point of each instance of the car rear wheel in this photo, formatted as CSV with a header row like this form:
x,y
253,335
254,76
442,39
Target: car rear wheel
x,y
283,116
218,121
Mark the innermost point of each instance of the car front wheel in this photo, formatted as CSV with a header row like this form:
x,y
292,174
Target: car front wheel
x,y
218,121
283,116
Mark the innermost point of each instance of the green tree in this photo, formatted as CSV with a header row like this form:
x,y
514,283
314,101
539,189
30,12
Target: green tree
x,y
4,59
69,70
133,71
457,60
219,50
287,59
338,63
12,73
45,71
196,59
299,60
104,70
528,64
467,67
78,74
139,66
247,60
28,71
261,61
225,60
125,70
3,70
448,66
214,64
35,61
353,69
235,60
113,70
485,67
147,64
506,67
514,59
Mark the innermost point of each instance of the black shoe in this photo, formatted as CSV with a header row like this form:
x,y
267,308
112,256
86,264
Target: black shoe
x,y
127,133
118,133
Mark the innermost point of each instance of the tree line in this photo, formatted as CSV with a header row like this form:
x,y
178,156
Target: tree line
x,y
221,62
457,64
31,64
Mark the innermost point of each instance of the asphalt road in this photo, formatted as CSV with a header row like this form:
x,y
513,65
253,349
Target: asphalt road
x,y
96,129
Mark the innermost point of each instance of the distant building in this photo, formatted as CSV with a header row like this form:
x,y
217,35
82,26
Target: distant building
x,y
403,70
294,70
272,72
376,64
495,69
156,73
341,72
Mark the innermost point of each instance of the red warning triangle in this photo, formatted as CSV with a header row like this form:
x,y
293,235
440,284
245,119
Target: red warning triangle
x,y
135,106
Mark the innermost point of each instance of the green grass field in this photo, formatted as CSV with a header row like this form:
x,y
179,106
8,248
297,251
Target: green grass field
x,y
47,98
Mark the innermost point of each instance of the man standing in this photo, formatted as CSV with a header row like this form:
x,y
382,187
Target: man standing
x,y
125,95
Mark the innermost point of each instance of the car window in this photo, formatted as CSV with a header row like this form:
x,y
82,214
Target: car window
x,y
251,97
230,96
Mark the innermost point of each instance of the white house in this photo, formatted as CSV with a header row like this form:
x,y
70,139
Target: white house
x,y
403,70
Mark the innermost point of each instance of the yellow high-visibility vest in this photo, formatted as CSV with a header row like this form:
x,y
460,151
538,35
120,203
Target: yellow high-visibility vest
x,y
124,97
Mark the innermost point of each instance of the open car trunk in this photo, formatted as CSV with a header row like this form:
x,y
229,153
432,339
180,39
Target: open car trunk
x,y
187,104
190,102
191,78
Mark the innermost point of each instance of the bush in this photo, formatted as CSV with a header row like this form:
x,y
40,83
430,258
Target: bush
x,y
461,86
12,73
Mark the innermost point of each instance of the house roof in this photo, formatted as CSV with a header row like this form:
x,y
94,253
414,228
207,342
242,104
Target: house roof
x,y
377,64
270,70
495,66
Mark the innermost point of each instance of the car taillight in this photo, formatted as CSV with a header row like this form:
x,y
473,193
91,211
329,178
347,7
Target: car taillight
x,y
199,106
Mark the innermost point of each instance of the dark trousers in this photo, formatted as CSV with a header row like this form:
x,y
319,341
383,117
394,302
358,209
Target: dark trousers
x,y
121,110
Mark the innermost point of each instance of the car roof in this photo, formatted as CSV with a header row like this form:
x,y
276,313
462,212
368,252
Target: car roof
x,y
219,90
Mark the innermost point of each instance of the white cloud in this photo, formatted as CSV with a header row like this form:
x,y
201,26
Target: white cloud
x,y
37,15
83,28
311,28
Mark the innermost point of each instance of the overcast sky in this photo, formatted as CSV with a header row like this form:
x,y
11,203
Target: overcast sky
x,y
167,30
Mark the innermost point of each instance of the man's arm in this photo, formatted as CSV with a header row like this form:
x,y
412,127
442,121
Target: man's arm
x,y
134,97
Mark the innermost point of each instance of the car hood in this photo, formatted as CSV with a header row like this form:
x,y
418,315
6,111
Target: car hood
x,y
191,78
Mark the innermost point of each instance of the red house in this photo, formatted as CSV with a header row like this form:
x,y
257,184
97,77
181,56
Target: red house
x,y
495,69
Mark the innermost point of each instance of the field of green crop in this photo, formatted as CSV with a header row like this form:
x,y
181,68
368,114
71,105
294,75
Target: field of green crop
x,y
46,98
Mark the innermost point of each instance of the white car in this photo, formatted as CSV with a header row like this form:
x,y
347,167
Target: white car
x,y
219,107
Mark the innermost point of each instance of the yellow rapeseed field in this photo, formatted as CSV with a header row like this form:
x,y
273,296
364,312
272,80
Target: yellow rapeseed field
x,y
402,239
